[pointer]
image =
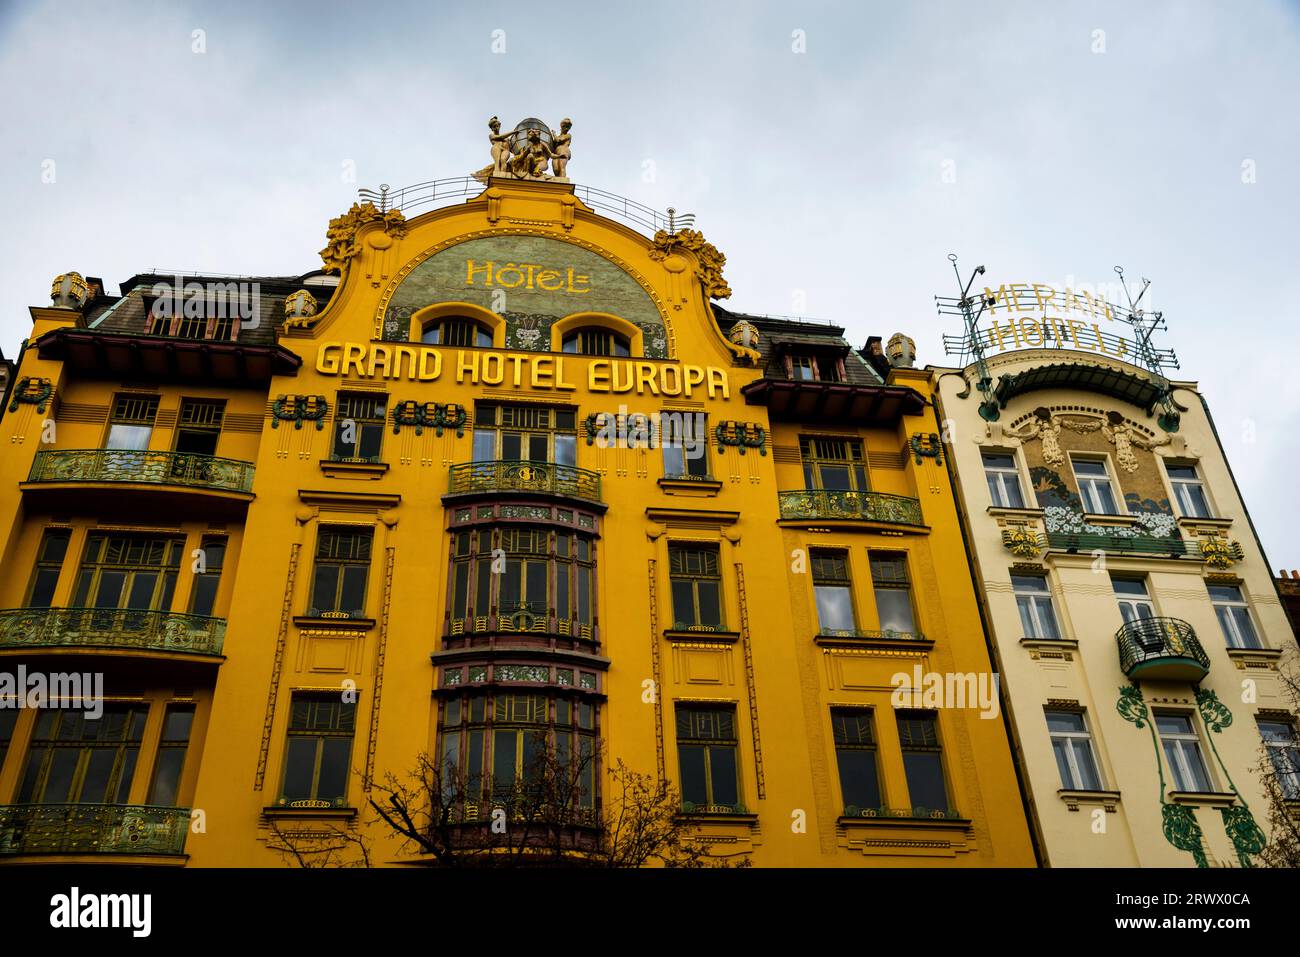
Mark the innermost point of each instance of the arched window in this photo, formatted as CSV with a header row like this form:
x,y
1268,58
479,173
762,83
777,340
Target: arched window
x,y
456,331
594,341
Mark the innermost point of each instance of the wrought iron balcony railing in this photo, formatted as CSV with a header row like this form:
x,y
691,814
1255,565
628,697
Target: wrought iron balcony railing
x,y
92,829
111,628
1162,649
907,813
1132,544
525,476
866,506
184,469
863,634
522,617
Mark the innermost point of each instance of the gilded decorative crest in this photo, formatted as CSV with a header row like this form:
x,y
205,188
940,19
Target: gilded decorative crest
x,y
341,237
299,309
69,291
711,261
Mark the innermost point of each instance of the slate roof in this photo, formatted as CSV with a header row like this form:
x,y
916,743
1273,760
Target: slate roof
x,y
775,335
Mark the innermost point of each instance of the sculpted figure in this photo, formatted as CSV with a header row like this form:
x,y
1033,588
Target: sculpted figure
x,y
500,153
530,162
561,152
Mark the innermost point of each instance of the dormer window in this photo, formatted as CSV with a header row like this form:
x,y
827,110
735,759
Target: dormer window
x,y
218,328
813,366
456,331
596,342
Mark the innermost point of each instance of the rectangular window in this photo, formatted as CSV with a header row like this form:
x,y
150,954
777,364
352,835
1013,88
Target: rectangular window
x,y
855,754
1034,600
834,465
131,424
1234,616
1072,745
1182,747
696,587
707,750
49,563
359,426
1004,480
893,590
834,593
164,789
519,765
204,597
191,327
318,752
1284,753
1133,599
342,567
198,428
525,433
76,759
127,571
1095,489
1189,493
803,367
918,736
684,438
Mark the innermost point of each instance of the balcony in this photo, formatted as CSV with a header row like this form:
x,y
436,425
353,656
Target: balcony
x,y
110,628
822,504
1120,544
106,479
546,478
1161,649
92,829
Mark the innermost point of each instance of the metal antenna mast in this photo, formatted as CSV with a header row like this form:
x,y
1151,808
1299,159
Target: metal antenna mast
x,y
989,409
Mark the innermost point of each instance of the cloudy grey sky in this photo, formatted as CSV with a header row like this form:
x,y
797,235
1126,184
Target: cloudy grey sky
x,y
836,179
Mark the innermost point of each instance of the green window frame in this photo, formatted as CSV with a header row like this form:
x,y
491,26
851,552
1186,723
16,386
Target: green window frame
x,y
76,759
708,754
169,762
341,573
525,433
359,423
834,464
695,578
318,751
203,597
128,571
927,779
857,756
49,566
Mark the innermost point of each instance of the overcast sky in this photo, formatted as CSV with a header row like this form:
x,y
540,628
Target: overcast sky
x,y
1045,141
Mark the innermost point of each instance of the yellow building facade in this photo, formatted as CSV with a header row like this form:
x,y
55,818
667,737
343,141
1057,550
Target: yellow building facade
x,y
1130,607
501,479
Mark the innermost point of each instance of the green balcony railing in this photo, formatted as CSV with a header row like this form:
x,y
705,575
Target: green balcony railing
x,y
1130,544
525,476
184,469
867,506
864,634
92,829
111,628
1163,649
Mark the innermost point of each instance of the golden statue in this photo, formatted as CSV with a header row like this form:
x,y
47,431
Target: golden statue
x,y
560,150
500,153
530,162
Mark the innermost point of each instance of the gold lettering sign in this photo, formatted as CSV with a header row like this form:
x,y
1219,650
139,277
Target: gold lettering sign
x,y
1065,319
384,360
491,274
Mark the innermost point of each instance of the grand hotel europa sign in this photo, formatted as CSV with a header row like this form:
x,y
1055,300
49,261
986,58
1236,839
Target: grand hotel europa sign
x,y
1035,315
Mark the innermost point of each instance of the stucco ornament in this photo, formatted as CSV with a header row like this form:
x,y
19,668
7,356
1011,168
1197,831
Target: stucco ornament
x,y
901,350
562,151
1045,427
710,259
527,150
1122,436
300,309
69,291
341,237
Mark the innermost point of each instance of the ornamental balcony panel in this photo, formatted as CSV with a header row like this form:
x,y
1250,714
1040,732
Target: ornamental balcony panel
x,y
1133,544
1162,649
814,504
92,829
179,469
549,478
116,628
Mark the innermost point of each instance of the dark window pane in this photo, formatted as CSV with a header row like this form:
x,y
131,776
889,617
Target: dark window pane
x,y
332,784
858,777
167,777
694,786
925,780
99,769
710,607
723,765
299,765
325,587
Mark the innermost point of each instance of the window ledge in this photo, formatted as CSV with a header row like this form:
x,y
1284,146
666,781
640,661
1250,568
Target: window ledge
x,y
919,642
1254,657
1073,798
701,487
338,813
353,470
319,621
689,634
1203,798
704,817
886,820
1050,644
1207,523
1008,511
